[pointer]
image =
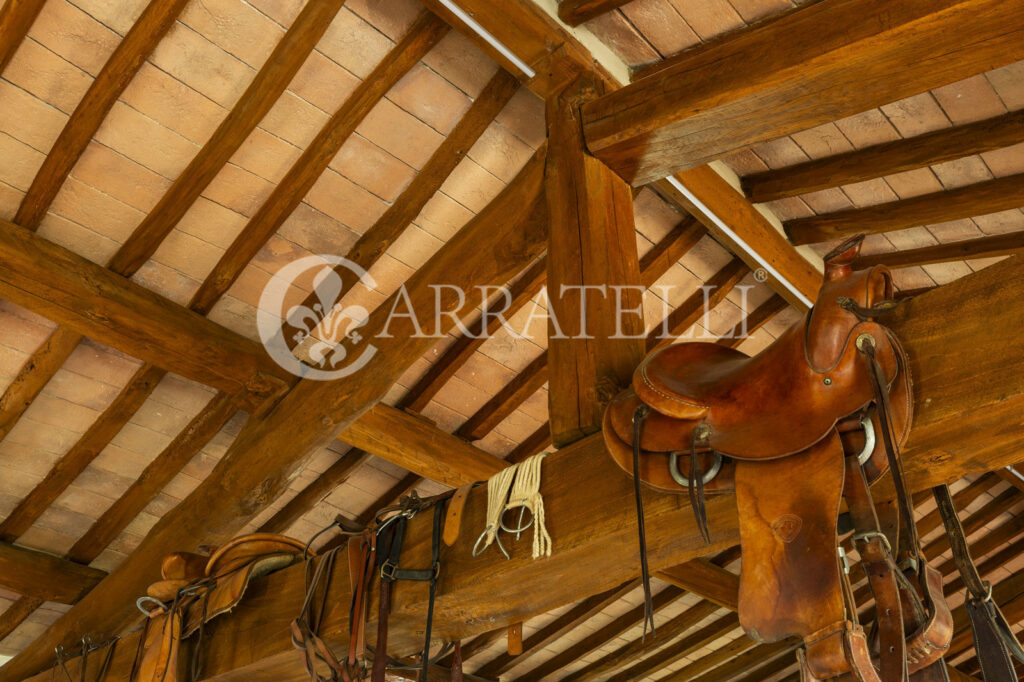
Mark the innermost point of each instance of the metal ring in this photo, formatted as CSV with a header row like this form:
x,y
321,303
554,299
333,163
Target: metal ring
x,y
477,550
521,528
148,600
673,468
869,439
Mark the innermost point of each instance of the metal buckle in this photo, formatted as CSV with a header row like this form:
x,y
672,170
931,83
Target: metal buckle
x,y
387,571
844,560
869,439
149,600
709,475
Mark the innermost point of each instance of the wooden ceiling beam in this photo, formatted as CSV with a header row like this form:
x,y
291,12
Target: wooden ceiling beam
x,y
556,629
703,578
686,646
15,614
968,249
78,457
840,57
595,335
489,250
667,252
576,12
130,54
317,490
602,637
750,235
697,305
740,664
968,201
95,302
45,577
34,374
263,92
887,158
757,318
16,17
414,443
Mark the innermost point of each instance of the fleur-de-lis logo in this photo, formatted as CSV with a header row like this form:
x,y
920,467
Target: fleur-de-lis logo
x,y
324,333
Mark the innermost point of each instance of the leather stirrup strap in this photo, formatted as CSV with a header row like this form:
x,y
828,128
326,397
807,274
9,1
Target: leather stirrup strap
x,y
993,638
457,662
696,487
645,574
881,570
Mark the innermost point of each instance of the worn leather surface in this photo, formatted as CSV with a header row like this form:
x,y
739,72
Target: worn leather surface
x,y
994,656
789,584
930,641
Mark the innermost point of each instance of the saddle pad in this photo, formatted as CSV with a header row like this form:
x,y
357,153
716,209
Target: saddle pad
x,y
788,510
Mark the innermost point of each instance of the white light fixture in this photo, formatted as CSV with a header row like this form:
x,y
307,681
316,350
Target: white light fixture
x,y
699,205
486,35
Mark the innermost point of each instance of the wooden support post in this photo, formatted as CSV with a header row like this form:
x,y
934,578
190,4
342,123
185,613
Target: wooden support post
x,y
594,286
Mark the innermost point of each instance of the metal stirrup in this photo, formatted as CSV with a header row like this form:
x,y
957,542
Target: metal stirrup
x,y
677,476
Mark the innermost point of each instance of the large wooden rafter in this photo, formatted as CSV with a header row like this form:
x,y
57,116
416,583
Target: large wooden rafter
x,y
813,65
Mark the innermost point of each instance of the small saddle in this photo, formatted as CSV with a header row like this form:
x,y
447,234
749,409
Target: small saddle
x,y
195,588
780,430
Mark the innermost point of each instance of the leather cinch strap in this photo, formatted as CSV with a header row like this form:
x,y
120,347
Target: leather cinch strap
x,y
638,423
993,639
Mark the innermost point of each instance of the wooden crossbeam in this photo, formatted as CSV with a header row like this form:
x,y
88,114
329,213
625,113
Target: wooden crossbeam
x,y
489,250
130,54
414,443
980,198
982,247
593,275
44,576
667,252
15,614
555,630
16,17
757,318
705,579
263,92
749,233
887,158
822,62
575,12
95,302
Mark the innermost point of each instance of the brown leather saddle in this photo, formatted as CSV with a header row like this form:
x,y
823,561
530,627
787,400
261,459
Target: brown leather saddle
x,y
818,414
195,588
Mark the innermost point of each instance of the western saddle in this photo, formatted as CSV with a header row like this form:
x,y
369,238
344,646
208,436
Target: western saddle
x,y
792,431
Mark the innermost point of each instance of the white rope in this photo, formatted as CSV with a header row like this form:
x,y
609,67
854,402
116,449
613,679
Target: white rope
x,y
516,487
498,487
526,493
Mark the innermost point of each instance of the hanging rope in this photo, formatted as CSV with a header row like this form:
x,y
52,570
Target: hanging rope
x,y
526,494
516,487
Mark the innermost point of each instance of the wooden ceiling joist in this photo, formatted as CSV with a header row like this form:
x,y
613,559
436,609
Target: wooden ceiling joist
x,y
575,12
739,664
130,54
977,199
756,319
34,374
969,249
317,490
667,252
749,233
697,304
556,629
45,577
703,578
413,443
95,302
887,158
601,637
685,646
263,92
822,62
489,250
16,17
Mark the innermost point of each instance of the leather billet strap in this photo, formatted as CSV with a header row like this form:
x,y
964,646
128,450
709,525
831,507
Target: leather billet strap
x,y
305,628
881,570
645,574
993,638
